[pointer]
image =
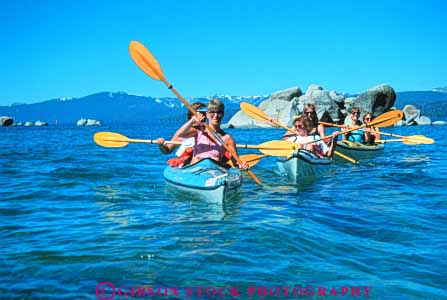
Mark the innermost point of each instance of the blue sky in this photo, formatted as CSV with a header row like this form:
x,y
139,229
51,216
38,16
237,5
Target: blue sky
x,y
52,49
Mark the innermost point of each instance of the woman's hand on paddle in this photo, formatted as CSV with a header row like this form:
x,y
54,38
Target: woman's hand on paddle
x,y
159,141
199,118
244,165
336,134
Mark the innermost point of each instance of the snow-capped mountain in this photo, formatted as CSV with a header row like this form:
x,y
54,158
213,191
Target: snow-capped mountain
x,y
116,107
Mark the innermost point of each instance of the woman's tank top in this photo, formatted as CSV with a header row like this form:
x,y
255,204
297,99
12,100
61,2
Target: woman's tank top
x,y
204,147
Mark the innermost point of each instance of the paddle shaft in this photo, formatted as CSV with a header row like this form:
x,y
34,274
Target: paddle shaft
x,y
390,134
141,141
261,147
391,140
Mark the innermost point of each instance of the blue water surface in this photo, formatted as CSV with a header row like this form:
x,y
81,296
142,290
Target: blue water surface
x,y
73,214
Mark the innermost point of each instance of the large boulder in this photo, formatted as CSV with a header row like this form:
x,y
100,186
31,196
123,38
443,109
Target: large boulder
x,y
278,106
6,121
377,100
278,110
327,103
287,94
241,120
411,114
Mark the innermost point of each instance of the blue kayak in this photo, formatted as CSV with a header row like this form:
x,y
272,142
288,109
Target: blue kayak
x,y
302,165
205,179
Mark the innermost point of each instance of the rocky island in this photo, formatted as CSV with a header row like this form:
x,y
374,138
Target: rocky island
x,y
331,106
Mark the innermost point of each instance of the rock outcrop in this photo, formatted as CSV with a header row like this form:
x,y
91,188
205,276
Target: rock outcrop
x,y
331,106
376,100
278,106
6,121
412,116
40,123
88,122
81,122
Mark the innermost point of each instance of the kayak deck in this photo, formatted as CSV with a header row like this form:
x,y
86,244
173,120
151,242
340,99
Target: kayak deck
x,y
359,151
205,179
303,165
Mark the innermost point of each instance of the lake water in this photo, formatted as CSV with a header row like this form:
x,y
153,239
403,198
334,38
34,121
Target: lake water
x,y
73,215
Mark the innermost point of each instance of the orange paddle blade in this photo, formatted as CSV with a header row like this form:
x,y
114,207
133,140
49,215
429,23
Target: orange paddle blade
x,y
145,60
254,112
250,159
387,119
110,139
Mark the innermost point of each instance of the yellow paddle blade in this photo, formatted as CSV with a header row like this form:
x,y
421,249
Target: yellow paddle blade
x,y
250,159
421,138
274,148
258,114
145,60
110,139
414,140
254,112
387,119
410,140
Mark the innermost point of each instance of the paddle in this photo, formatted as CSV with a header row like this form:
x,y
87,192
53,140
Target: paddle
x,y
250,159
404,141
419,139
409,141
258,114
273,148
149,65
116,140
